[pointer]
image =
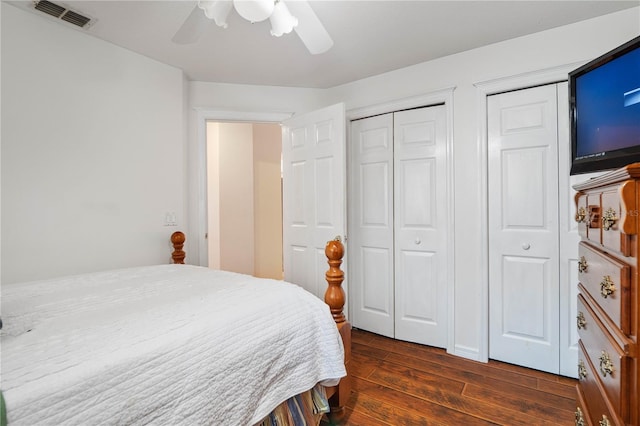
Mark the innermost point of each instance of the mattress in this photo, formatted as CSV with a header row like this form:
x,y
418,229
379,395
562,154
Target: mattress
x,y
167,344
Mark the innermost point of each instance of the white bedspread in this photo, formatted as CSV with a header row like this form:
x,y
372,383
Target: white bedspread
x,y
170,345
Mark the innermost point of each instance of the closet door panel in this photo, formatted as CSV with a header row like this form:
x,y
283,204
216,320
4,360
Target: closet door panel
x,y
371,224
420,215
523,228
419,272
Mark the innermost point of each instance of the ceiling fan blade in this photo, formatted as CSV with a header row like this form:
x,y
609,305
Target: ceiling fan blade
x,y
309,28
192,28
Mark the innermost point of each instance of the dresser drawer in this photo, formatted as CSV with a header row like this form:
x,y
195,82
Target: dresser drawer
x,y
608,281
610,363
589,389
611,216
582,414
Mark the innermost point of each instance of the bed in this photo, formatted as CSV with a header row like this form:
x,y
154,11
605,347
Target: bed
x,y
174,344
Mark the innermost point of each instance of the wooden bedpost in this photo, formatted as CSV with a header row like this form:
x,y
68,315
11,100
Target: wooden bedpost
x,y
177,239
335,298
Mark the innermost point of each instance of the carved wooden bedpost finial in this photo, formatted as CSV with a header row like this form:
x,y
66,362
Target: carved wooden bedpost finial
x,y
177,239
334,296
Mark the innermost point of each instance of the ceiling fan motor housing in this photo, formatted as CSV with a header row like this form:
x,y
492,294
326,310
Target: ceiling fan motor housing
x,y
254,10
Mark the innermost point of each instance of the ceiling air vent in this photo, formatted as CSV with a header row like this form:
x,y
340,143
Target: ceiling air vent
x,y
75,18
62,12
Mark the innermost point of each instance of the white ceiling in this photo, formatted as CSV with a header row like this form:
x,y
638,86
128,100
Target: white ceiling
x,y
370,37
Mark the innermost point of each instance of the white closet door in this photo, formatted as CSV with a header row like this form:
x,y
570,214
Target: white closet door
x,y
397,225
371,224
523,228
314,210
420,171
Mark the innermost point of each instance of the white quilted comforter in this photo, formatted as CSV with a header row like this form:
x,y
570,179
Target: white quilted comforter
x,y
165,345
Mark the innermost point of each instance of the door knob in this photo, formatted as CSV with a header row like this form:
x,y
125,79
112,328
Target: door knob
x,y
526,246
418,241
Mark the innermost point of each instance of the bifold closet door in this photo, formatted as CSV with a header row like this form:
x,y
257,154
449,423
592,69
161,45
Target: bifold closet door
x,y
371,224
420,218
523,228
397,225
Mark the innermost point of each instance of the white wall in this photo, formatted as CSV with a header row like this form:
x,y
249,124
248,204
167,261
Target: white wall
x,y
0,153
236,197
267,193
565,45
92,152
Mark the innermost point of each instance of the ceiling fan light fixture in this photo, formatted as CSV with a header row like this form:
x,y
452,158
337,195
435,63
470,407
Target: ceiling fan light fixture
x,y
217,10
254,10
282,21
294,15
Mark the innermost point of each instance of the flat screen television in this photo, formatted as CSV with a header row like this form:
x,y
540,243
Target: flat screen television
x,y
604,107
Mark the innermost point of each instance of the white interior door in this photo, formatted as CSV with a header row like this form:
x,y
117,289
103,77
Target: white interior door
x,y
420,169
313,197
397,224
523,228
371,224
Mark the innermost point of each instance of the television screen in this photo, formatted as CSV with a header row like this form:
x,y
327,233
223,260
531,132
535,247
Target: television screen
x,y
605,109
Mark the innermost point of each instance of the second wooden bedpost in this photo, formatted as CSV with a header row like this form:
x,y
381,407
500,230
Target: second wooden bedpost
x,y
335,298
178,255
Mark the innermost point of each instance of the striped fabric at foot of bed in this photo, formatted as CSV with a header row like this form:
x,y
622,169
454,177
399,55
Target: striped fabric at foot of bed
x,y
305,409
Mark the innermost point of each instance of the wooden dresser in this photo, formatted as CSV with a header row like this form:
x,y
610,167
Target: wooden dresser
x,y
608,319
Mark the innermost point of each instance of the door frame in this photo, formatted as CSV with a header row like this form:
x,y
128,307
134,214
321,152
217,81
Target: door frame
x,y
203,116
438,97
485,89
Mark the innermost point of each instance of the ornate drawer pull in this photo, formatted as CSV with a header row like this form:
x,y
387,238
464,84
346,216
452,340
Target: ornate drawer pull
x,y
609,218
582,265
581,215
607,287
605,421
582,322
582,370
606,366
579,417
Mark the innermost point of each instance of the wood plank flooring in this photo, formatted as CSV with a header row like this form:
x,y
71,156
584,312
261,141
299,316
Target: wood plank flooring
x,y
400,383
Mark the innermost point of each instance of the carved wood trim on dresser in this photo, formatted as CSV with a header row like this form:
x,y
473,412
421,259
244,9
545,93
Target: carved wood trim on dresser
x,y
608,320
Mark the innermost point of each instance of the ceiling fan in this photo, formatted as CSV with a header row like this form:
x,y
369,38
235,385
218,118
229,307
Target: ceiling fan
x,y
294,15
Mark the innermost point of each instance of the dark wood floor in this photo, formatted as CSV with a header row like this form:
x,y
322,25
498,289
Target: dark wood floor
x,y
400,383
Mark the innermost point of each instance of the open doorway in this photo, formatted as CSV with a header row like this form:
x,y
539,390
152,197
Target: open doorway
x,y
244,181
